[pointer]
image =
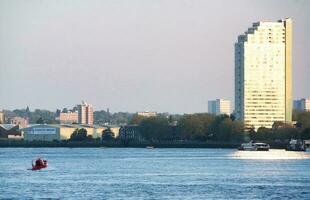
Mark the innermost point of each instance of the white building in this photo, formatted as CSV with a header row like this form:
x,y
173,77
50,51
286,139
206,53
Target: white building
x,y
219,106
302,105
263,74
147,114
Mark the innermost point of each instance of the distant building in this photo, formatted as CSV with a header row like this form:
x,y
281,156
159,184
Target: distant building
x,y
69,117
219,106
50,132
1,117
10,131
147,114
263,74
85,114
22,122
302,105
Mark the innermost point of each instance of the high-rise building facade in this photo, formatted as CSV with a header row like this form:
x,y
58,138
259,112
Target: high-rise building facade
x,y
302,105
85,114
263,74
219,106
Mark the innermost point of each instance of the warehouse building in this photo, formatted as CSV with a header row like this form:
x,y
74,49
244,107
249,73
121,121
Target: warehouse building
x,y
50,132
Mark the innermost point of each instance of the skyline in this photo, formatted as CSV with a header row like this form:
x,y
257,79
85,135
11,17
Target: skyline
x,y
54,54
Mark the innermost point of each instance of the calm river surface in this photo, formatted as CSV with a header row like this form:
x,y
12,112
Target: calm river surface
x,y
136,173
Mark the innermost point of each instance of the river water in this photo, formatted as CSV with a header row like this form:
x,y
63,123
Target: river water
x,y
137,173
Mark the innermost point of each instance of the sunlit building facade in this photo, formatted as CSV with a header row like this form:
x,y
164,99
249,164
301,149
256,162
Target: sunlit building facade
x,y
263,80
68,117
85,114
147,114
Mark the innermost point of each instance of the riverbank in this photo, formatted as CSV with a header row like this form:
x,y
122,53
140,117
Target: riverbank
x,y
119,144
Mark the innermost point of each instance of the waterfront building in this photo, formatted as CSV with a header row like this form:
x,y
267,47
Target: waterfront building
x,y
147,114
302,105
219,106
68,117
10,131
85,114
50,132
263,74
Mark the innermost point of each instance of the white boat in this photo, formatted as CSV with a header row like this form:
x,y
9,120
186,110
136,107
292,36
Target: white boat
x,y
252,146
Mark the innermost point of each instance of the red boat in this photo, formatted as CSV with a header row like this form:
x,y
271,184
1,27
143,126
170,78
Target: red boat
x,y
39,164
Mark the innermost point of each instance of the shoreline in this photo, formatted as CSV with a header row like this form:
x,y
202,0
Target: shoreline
x,y
100,144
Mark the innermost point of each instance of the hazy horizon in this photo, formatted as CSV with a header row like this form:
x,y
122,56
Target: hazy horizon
x,y
165,56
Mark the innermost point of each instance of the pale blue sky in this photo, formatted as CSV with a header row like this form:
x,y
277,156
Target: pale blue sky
x,y
167,56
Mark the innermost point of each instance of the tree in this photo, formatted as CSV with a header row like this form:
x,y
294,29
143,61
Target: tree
x,y
304,119
263,134
232,117
306,134
107,135
196,126
40,121
238,131
79,135
136,119
155,128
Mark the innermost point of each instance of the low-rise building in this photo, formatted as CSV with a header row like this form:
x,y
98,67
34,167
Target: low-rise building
x,y
68,117
10,131
147,114
50,132
22,122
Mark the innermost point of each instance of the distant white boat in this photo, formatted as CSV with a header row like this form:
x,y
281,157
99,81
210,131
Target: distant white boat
x,y
253,146
150,147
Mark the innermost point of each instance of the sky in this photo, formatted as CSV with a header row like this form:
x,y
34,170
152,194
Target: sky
x,y
155,55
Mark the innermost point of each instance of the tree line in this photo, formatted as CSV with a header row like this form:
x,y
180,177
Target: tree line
x,y
205,126
199,127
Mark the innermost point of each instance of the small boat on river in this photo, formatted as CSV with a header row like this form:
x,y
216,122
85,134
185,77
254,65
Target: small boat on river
x,y
39,164
253,146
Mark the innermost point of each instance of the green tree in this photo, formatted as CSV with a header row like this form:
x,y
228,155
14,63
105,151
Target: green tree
x,y
107,135
304,119
79,135
263,134
195,126
306,134
136,119
155,128
40,121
